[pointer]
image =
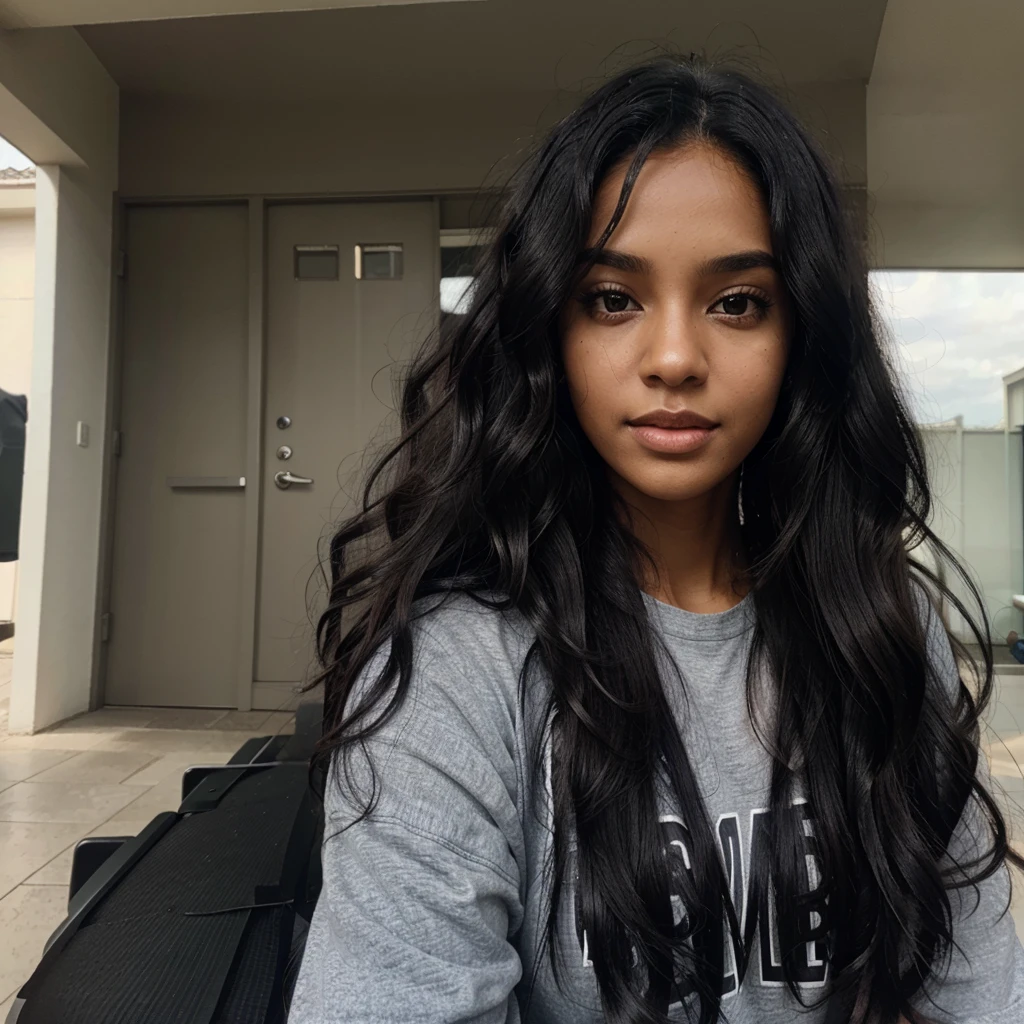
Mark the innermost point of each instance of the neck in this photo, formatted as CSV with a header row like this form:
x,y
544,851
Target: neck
x,y
695,544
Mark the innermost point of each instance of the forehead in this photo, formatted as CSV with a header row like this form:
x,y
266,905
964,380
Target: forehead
x,y
697,194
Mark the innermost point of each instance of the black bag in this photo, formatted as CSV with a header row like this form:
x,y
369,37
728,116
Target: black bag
x,y
13,416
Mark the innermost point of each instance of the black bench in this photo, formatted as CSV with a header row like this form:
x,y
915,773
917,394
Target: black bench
x,y
201,917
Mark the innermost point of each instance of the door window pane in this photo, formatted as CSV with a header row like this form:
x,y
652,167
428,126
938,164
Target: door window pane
x,y
316,263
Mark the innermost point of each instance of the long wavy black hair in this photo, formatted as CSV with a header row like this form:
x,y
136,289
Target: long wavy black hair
x,y
493,489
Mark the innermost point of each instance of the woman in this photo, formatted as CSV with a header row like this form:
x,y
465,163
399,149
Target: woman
x,y
642,713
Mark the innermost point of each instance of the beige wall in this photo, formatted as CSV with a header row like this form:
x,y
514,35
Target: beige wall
x,y
17,273
945,236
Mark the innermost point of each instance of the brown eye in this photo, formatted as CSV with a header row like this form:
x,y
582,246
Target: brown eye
x,y
736,305
743,308
615,302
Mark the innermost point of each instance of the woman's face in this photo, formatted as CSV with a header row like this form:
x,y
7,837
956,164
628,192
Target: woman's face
x,y
675,342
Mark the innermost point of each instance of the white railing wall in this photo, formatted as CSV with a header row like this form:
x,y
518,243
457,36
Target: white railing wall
x,y
978,484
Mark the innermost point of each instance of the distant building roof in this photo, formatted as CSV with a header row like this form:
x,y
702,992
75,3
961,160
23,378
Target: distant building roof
x,y
17,175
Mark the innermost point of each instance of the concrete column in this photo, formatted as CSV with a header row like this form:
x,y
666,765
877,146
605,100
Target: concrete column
x,y
60,108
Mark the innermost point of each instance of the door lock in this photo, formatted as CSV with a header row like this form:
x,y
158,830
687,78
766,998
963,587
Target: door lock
x,y
284,479
284,452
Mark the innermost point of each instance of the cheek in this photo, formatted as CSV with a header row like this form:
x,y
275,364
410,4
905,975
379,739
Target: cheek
x,y
755,386
594,384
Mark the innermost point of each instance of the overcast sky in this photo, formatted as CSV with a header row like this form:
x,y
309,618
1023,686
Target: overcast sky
x,y
11,157
958,334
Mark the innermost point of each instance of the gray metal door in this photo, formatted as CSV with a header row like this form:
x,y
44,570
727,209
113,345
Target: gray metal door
x,y
177,540
332,340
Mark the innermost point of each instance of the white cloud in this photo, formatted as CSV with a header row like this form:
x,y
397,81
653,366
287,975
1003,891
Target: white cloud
x,y
956,335
11,157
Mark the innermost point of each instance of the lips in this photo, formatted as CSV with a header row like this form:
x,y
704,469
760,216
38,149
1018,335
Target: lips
x,y
666,419
672,433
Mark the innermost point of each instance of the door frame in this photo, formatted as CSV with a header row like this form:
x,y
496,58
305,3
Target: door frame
x,y
253,448
108,485
248,692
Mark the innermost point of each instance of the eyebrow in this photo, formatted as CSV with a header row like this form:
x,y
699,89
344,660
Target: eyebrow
x,y
731,263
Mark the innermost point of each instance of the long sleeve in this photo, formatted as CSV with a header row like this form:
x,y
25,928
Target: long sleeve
x,y
419,900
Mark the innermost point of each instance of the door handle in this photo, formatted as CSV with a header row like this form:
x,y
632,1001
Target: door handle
x,y
196,482
284,479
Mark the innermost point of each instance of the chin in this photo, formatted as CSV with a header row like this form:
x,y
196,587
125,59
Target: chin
x,y
672,486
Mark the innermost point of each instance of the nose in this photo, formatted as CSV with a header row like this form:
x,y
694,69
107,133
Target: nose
x,y
673,352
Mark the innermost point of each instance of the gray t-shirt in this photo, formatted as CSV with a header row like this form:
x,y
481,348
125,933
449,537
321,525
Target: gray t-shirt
x,y
434,909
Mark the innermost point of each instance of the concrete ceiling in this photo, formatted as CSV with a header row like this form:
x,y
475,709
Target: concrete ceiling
x,y
492,46
54,13
946,102
945,135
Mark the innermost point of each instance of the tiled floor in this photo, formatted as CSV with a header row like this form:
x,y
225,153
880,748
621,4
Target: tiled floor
x,y
111,772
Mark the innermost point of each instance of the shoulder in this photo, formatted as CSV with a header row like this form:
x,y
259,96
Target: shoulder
x,y
472,644
466,663
462,649
458,719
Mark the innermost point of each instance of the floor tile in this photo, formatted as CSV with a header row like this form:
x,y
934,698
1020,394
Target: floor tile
x,y
1009,746
1017,901
189,718
26,846
169,741
291,702
250,721
109,719
172,766
279,721
128,827
19,765
28,916
70,739
82,802
166,796
184,718
56,872
109,766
